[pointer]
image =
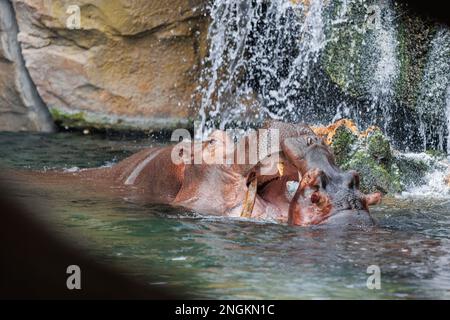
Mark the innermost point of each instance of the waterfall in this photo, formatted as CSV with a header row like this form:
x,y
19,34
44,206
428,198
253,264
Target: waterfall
x,y
386,64
317,61
258,52
25,94
432,104
448,118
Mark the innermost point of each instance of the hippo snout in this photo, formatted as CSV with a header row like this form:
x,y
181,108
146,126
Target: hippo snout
x,y
352,218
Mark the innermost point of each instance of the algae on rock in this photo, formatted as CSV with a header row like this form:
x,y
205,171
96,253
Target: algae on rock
x,y
382,168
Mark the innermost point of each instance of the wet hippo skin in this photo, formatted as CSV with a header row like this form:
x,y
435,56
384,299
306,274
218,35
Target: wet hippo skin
x,y
297,182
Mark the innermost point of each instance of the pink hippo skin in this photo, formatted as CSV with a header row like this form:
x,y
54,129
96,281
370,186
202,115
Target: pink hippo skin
x,y
168,175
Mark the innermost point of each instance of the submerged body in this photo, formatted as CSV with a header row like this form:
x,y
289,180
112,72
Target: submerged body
x,y
297,183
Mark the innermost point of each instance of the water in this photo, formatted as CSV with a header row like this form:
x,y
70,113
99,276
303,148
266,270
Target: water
x,y
217,257
258,51
317,61
433,96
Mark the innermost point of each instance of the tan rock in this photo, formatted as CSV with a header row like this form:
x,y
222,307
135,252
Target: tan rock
x,y
329,131
21,108
133,63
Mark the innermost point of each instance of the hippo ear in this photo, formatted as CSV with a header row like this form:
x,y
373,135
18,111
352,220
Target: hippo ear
x,y
373,198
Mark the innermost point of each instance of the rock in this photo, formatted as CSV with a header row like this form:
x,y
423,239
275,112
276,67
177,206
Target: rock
x,y
342,144
378,147
132,64
414,42
21,108
370,153
412,168
392,63
341,136
346,57
374,176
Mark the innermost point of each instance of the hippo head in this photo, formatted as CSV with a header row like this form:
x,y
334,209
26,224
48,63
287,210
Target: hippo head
x,y
301,184
325,193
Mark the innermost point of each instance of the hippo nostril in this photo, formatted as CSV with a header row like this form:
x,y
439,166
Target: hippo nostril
x,y
354,180
315,198
323,180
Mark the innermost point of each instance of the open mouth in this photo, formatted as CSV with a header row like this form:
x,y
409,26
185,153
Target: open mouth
x,y
274,190
311,197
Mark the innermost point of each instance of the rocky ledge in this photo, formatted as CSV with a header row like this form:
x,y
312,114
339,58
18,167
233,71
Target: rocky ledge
x,y
382,168
116,63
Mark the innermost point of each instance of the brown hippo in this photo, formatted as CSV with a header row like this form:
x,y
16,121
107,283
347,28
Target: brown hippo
x,y
296,182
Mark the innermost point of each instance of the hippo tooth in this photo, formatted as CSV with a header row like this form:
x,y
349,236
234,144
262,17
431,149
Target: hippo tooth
x,y
280,167
250,198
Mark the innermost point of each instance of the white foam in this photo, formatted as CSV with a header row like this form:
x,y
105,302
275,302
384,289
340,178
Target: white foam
x,y
109,164
422,156
434,187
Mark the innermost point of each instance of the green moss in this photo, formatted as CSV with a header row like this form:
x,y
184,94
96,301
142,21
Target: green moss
x,y
69,120
412,171
436,154
380,168
343,144
374,176
379,148
80,121
349,55
344,56
414,42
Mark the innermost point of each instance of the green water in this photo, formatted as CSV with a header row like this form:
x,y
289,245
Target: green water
x,y
230,258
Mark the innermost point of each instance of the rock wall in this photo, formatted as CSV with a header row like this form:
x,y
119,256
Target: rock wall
x,y
21,108
129,64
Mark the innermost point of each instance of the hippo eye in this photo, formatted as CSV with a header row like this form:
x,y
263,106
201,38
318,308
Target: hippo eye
x,y
309,141
212,141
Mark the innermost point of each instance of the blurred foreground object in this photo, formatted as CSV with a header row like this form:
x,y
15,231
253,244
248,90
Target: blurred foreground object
x,y
33,263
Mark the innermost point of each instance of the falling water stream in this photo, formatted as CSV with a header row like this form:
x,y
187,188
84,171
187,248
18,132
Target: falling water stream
x,y
317,61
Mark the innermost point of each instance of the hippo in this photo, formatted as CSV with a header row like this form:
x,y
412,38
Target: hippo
x,y
296,182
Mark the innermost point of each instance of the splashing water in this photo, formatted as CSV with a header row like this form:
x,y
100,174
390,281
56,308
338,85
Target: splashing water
x,y
433,98
265,60
434,187
258,52
435,182
317,61
448,117
386,67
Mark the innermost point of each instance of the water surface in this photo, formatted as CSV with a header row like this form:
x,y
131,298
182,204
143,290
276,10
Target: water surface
x,y
215,257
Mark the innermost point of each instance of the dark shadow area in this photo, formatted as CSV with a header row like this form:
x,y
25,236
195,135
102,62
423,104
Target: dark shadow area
x,y
34,263
432,9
